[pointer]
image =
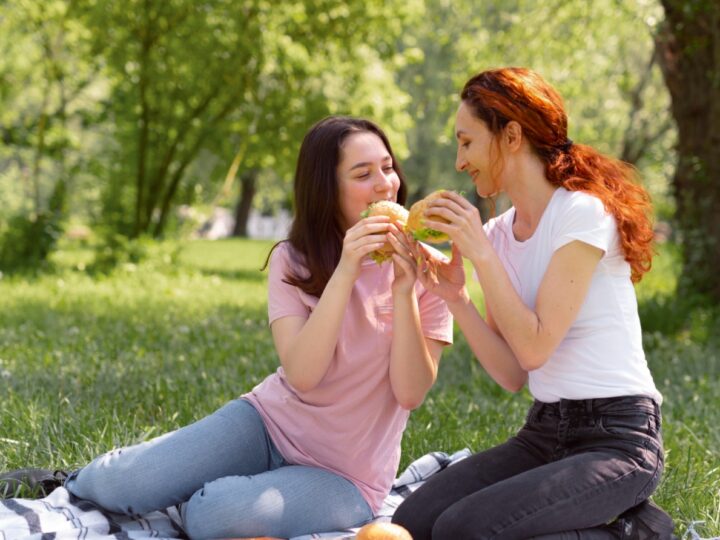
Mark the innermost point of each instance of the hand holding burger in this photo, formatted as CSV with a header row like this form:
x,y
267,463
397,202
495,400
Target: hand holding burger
x,y
416,221
397,214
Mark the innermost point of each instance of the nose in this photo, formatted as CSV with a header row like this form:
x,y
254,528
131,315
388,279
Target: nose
x,y
460,162
385,181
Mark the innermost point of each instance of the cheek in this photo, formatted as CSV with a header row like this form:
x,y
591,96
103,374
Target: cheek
x,y
396,183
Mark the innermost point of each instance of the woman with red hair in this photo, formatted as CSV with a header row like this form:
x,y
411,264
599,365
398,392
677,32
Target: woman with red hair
x,y
557,273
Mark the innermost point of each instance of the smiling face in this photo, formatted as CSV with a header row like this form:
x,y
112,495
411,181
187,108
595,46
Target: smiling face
x,y
477,153
365,175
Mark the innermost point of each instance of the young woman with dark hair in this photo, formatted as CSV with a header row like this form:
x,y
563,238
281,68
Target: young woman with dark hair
x,y
316,445
556,271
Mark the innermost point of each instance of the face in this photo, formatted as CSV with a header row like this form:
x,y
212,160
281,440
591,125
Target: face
x,y
365,175
476,153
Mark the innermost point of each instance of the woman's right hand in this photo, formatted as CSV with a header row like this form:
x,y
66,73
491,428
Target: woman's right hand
x,y
360,240
443,277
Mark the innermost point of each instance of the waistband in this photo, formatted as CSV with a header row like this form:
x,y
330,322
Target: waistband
x,y
596,406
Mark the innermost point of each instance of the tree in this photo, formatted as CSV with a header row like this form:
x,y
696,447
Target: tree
x,y
600,55
321,64
689,45
46,74
177,70
225,76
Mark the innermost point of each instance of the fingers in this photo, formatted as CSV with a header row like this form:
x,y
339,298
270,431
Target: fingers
x,y
399,241
404,264
447,209
374,224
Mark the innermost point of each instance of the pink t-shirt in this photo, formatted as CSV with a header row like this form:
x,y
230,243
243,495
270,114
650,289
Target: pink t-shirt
x,y
351,423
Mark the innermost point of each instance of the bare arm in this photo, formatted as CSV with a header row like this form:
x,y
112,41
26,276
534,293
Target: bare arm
x,y
531,335
490,348
413,358
534,334
306,345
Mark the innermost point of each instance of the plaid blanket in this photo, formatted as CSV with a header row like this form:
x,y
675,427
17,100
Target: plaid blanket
x,y
62,516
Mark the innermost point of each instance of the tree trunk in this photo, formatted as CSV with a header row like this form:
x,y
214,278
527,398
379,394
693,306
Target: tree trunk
x,y
689,47
248,182
141,224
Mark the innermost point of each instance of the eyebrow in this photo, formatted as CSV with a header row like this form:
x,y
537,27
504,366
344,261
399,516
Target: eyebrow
x,y
368,163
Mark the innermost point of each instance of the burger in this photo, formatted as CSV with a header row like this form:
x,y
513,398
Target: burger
x,y
383,531
397,214
416,221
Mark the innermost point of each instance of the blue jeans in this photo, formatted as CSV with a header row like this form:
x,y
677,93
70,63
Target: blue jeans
x,y
228,477
573,467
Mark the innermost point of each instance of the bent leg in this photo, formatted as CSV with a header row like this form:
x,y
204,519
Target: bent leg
x,y
168,469
285,502
422,508
579,492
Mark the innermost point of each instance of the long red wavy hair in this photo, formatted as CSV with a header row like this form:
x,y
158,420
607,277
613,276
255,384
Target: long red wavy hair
x,y
499,96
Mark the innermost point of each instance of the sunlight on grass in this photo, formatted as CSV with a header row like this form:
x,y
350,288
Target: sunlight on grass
x,y
88,363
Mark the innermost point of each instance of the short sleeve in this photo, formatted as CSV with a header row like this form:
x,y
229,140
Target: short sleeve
x,y
584,218
435,317
284,300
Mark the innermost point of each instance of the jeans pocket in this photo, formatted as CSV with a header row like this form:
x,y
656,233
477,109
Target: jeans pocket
x,y
631,423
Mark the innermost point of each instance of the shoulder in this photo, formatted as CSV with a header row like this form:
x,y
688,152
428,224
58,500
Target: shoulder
x,y
285,255
576,215
285,261
579,202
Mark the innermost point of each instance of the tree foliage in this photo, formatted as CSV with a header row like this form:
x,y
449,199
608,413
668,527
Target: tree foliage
x,y
133,108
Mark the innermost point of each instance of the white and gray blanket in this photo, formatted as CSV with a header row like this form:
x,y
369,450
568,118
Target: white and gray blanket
x,y
61,516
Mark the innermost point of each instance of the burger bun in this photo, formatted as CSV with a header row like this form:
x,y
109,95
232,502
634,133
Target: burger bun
x,y
416,221
397,214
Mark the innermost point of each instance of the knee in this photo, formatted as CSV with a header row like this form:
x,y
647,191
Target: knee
x,y
415,520
448,527
219,510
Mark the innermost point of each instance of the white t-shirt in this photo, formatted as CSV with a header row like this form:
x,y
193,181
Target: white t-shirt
x,y
601,355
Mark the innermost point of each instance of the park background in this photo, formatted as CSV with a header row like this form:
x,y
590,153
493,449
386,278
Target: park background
x,y
126,126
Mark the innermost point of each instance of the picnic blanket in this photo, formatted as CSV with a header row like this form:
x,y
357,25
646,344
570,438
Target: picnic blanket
x,y
62,516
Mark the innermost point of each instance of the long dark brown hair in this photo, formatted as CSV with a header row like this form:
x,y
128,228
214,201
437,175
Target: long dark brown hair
x,y
499,96
317,233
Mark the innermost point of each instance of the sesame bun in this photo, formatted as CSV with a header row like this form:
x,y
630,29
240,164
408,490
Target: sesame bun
x,y
416,221
397,215
383,531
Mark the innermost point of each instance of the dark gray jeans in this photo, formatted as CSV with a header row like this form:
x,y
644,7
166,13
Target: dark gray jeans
x,y
573,467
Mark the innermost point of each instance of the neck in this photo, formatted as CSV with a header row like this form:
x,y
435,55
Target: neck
x,y
530,193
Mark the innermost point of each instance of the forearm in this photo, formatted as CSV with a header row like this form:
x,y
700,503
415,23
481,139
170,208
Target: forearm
x,y
490,349
412,368
307,357
518,324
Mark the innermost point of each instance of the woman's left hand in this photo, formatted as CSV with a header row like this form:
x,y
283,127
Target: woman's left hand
x,y
465,227
403,262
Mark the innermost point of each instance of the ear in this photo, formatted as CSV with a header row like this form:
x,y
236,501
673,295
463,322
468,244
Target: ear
x,y
513,135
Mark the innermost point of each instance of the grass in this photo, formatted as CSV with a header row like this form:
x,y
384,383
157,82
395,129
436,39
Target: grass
x,y
89,363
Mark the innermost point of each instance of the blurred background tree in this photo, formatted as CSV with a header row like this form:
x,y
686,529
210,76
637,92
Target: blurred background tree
x,y
689,52
114,115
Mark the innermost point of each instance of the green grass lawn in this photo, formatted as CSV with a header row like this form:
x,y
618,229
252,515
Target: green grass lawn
x,y
88,363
